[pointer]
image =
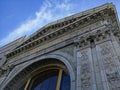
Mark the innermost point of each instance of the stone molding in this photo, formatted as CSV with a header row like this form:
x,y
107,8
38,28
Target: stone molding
x,y
60,31
5,70
67,21
95,37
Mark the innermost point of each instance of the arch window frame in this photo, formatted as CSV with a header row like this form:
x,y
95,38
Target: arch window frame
x,y
59,79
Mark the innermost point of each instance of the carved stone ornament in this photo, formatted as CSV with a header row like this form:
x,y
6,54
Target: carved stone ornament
x,y
114,80
97,36
106,49
5,70
2,59
110,67
85,71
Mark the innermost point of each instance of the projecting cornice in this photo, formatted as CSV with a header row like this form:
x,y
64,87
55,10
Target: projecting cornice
x,y
62,27
95,37
66,21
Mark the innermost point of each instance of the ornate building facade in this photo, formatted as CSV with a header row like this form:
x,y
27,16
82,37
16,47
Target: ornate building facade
x,y
79,52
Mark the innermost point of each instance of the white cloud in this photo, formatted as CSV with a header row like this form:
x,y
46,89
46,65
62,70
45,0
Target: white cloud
x,y
49,11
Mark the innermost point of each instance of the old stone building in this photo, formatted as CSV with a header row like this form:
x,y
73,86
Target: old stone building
x,y
79,52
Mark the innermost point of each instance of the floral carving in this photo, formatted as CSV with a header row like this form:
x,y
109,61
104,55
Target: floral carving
x,y
85,71
85,82
110,67
108,60
114,80
105,49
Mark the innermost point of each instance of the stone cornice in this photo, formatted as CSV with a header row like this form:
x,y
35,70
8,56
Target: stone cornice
x,y
96,37
66,21
60,31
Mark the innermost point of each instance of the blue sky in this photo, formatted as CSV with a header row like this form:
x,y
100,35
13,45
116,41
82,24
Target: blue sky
x,y
24,17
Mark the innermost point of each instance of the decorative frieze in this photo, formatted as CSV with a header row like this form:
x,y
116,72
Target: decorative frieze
x,y
78,22
97,36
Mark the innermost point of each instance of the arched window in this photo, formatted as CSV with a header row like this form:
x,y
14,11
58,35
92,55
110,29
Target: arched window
x,y
51,79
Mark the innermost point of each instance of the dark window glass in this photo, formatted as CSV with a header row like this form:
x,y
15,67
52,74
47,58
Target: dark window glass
x,y
65,82
45,81
49,84
52,83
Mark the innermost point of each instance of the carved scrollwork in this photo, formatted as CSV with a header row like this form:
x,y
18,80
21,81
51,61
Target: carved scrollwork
x,y
110,67
85,71
85,82
85,77
84,56
85,68
108,60
105,49
114,80
5,70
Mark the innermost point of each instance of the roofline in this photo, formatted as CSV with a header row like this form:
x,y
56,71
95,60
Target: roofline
x,y
78,14
93,10
11,43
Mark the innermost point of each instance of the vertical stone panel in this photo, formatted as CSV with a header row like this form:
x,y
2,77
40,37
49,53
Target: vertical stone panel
x,y
85,75
96,71
109,66
102,71
116,45
78,71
